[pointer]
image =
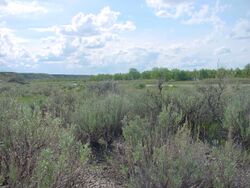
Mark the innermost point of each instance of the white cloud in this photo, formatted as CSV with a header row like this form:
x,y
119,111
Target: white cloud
x,y
85,33
126,26
98,41
208,14
187,11
176,48
21,8
89,24
241,29
222,51
94,43
121,60
12,55
171,8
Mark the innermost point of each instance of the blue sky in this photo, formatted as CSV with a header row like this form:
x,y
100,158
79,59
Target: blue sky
x,y
110,36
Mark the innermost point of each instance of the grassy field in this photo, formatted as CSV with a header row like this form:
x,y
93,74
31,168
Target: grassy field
x,y
33,88
72,132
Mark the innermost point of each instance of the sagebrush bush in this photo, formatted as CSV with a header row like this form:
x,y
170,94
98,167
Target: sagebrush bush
x,y
237,118
34,150
179,137
175,159
202,110
153,163
146,104
103,87
224,166
62,105
99,119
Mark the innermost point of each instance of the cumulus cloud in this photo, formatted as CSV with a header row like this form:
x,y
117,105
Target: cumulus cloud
x,y
11,54
222,51
89,24
171,8
94,43
85,33
177,48
186,8
208,14
123,59
241,29
21,8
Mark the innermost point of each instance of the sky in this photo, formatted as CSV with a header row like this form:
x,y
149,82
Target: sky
x,y
112,36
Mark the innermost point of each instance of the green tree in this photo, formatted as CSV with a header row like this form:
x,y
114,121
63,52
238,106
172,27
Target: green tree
x,y
247,70
134,74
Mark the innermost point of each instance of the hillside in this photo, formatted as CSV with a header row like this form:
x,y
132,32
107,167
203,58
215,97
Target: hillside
x,y
26,77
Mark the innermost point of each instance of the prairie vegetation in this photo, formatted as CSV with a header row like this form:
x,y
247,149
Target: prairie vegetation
x,y
172,136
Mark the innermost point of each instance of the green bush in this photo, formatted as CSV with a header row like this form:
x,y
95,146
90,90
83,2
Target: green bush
x,y
146,104
224,166
237,118
141,86
154,161
62,105
202,110
34,150
103,87
165,155
99,119
183,137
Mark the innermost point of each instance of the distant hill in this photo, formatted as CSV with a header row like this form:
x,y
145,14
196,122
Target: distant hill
x,y
26,77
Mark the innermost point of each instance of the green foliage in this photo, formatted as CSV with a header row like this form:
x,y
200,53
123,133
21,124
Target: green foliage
x,y
180,137
237,118
174,162
247,70
100,118
133,74
224,167
174,74
169,120
45,169
34,149
85,153
141,86
202,110
58,160
103,88
61,105
145,104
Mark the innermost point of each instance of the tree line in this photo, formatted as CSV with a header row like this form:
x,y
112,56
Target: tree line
x,y
174,74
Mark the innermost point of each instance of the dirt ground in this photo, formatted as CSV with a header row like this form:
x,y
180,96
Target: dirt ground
x,y
101,175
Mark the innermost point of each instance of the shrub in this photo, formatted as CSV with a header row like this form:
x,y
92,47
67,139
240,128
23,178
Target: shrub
x,y
202,110
237,118
165,155
152,163
100,119
140,86
62,105
61,159
103,87
34,150
146,104
168,123
226,167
